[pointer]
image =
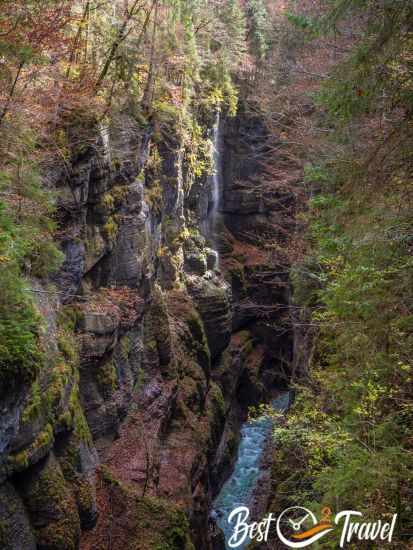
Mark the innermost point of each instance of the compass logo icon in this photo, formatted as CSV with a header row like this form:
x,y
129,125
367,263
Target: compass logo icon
x,y
297,527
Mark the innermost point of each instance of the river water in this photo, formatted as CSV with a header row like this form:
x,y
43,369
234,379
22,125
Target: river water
x,y
239,488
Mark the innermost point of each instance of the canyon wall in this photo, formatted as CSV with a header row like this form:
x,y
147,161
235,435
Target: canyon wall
x,y
154,350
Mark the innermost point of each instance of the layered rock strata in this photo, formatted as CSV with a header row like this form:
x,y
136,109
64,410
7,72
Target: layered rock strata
x,y
153,354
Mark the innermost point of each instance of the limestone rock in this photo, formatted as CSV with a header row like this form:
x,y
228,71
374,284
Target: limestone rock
x,y
212,300
196,263
78,460
211,258
70,275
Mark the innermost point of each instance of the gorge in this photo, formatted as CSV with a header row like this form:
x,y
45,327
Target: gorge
x,y
204,216
172,350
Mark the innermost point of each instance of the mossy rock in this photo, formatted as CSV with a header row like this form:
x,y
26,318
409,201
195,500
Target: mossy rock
x,y
107,378
158,343
78,462
217,399
196,262
51,506
16,532
42,444
169,526
80,425
200,342
144,523
86,503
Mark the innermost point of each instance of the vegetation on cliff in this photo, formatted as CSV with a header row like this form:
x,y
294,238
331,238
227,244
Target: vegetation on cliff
x,y
105,117
67,67
332,80
347,442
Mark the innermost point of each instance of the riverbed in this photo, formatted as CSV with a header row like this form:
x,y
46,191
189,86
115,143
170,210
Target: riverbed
x,y
240,486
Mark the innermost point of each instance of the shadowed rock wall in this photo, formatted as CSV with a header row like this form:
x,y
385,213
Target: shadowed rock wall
x,y
153,354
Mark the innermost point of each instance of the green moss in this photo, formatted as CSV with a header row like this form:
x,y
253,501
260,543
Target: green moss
x,y
48,403
114,198
46,258
57,536
34,405
108,201
217,398
48,484
84,496
107,377
238,281
80,423
68,317
153,196
157,334
68,456
52,507
61,376
151,345
153,523
21,355
116,163
109,478
196,326
65,421
168,525
20,461
85,500
200,342
119,193
68,346
45,437
110,229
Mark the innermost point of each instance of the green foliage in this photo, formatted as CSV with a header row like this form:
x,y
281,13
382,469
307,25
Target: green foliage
x,y
111,228
303,22
20,356
260,27
26,247
352,427
347,439
378,66
107,378
234,21
199,152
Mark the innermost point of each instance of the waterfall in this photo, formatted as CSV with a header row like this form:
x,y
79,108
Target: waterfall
x,y
239,488
215,186
106,151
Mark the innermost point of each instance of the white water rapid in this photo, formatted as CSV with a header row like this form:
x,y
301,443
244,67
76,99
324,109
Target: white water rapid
x,y
239,488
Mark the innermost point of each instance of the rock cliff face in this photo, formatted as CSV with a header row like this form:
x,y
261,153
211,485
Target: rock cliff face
x,y
153,353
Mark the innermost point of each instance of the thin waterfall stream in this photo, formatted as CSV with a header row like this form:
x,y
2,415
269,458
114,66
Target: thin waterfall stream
x,y
216,187
240,486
